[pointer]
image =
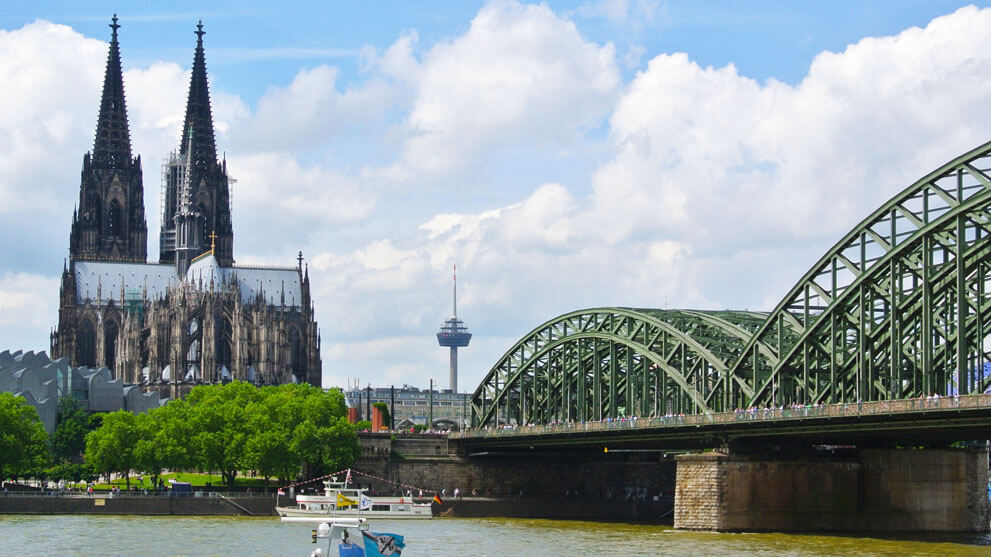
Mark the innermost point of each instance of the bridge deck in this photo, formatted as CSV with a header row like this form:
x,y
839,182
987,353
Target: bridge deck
x,y
906,422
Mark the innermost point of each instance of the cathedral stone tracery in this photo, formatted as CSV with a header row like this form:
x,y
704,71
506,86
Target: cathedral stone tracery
x,y
193,317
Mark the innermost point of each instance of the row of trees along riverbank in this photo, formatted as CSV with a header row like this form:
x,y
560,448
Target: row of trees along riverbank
x,y
283,432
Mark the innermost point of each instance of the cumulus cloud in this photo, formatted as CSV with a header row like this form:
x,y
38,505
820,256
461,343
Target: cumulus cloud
x,y
41,125
311,111
520,75
26,306
306,200
712,155
715,190
721,191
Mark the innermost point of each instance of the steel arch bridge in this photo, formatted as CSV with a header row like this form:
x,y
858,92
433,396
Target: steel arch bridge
x,y
898,308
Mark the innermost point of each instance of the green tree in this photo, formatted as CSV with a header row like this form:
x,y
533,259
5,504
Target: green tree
x,y
267,450
23,441
71,471
164,440
110,448
217,416
322,440
69,438
327,449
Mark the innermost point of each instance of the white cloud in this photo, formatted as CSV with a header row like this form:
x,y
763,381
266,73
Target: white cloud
x,y
520,75
717,190
721,193
712,157
311,111
304,200
27,304
41,124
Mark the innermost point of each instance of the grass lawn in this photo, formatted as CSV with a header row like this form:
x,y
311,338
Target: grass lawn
x,y
200,480
197,480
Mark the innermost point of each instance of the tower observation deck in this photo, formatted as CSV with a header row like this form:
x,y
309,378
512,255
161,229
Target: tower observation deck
x,y
454,334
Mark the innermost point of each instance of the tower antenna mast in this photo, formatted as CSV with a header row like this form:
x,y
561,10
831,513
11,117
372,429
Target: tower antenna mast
x,y
454,334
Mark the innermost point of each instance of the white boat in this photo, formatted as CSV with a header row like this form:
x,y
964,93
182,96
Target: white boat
x,y
341,500
351,537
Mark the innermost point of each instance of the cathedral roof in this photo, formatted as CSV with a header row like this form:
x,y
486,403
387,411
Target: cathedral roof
x,y
104,280
205,270
276,286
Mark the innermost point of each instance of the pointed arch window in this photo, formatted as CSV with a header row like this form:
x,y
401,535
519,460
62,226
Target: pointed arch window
x,y
205,226
110,333
86,344
297,361
113,219
225,342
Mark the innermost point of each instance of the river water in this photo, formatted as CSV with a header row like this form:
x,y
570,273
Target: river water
x,y
63,535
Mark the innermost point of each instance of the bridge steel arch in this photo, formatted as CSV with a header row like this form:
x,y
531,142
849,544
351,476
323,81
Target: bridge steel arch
x,y
898,308
607,363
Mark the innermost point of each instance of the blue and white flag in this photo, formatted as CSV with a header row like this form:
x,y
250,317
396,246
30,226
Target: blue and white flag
x,y
366,503
350,550
377,544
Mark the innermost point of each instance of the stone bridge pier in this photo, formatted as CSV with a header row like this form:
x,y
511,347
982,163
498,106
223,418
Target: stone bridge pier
x,y
871,490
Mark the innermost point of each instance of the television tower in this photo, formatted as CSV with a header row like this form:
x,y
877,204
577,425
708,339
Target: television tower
x,y
454,333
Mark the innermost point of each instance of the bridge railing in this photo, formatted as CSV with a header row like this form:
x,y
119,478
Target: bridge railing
x,y
794,412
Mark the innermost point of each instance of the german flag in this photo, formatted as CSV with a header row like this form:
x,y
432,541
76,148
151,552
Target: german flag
x,y
437,499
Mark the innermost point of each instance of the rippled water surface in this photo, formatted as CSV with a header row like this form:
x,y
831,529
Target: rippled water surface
x,y
145,535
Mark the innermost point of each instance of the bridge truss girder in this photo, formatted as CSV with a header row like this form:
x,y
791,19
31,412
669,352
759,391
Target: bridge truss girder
x,y
899,308
611,362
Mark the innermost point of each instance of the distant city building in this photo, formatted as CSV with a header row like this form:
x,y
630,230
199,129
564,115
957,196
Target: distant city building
x,y
42,382
413,406
194,316
454,334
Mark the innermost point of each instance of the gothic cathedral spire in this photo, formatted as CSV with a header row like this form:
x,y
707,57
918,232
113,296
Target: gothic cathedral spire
x,y
110,224
112,146
197,131
197,195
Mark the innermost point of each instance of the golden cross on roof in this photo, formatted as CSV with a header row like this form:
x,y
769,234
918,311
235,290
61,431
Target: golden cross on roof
x,y
213,241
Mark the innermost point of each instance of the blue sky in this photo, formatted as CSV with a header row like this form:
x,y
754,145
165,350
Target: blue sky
x,y
565,155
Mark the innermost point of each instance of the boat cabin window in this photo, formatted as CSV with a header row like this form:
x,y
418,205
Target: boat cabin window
x,y
380,507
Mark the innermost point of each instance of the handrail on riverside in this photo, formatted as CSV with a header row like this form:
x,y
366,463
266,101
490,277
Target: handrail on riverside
x,y
838,410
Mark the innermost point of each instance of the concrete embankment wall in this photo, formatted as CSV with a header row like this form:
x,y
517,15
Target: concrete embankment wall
x,y
516,507
561,509
878,490
636,487
138,505
427,464
566,486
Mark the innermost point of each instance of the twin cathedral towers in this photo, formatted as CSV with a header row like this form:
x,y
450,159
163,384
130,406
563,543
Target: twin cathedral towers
x,y
193,317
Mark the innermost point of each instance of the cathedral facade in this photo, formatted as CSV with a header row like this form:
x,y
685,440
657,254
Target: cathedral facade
x,y
194,316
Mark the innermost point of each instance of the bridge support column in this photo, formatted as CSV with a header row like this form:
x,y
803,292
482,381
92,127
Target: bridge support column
x,y
877,490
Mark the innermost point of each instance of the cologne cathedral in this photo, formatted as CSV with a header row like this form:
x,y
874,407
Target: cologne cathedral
x,y
194,316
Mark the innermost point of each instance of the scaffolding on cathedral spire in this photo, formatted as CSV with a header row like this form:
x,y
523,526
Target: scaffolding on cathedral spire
x,y
199,119
194,183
